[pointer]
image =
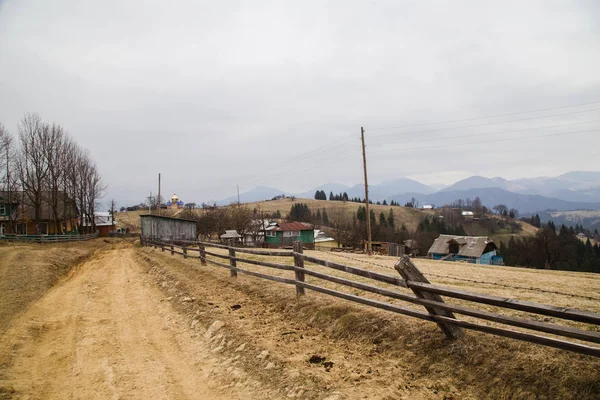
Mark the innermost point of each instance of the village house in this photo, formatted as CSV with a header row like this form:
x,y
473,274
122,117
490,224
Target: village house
x,y
104,223
230,235
473,249
17,217
285,234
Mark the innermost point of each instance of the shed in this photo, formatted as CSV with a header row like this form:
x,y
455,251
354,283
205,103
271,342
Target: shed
x,y
230,234
474,249
167,228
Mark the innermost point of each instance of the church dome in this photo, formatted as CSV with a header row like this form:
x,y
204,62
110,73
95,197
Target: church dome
x,y
174,199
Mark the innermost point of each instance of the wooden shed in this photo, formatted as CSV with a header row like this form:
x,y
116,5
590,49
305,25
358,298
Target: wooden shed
x,y
167,228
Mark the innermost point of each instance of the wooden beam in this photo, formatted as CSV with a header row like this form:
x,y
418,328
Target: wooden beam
x,y
409,272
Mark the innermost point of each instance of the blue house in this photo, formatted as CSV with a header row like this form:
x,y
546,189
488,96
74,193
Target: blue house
x,y
473,249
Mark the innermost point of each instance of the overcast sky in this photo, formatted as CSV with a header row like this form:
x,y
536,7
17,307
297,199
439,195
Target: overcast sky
x,y
218,93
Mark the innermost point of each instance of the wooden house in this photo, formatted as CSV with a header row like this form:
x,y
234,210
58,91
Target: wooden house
x,y
167,228
473,249
17,216
285,234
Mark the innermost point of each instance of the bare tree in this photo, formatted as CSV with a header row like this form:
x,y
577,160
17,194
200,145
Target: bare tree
x,y
8,181
33,166
112,209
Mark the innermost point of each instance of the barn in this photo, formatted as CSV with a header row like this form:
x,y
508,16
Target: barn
x,y
167,228
473,249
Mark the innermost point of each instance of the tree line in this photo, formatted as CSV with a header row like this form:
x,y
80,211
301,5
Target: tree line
x,y
44,168
549,249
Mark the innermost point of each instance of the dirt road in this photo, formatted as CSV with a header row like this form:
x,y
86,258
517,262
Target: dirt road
x,y
108,333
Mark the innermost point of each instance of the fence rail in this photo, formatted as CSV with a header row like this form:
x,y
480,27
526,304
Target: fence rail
x,y
424,294
47,238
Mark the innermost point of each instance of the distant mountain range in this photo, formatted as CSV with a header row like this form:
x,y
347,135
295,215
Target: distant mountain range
x,y
570,191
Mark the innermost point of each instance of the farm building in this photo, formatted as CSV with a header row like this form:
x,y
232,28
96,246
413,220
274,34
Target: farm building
x,y
104,223
167,228
473,249
285,234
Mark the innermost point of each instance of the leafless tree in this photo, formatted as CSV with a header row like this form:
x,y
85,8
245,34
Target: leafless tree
x,y
32,164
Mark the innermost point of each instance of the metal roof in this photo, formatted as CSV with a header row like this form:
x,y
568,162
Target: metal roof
x,y
469,246
230,234
164,217
294,226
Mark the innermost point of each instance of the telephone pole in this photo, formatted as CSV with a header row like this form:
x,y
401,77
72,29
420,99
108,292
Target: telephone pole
x,y
362,138
238,192
159,193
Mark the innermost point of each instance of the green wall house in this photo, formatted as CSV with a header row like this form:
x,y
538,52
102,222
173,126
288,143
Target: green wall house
x,y
285,234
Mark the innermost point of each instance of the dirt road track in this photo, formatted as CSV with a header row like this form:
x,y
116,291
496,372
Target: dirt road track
x,y
107,333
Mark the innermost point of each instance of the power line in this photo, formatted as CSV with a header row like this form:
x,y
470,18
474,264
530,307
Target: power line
x,y
491,141
487,123
490,133
476,118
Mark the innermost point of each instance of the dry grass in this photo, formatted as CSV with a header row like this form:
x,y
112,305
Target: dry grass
x,y
409,355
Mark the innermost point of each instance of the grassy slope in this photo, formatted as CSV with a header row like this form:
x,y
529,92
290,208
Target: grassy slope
x,y
408,216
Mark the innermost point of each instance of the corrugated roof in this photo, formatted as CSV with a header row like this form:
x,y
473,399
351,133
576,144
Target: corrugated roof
x,y
230,234
294,226
470,246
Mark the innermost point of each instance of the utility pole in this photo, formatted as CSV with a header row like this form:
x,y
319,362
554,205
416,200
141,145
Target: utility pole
x,y
159,193
238,191
362,138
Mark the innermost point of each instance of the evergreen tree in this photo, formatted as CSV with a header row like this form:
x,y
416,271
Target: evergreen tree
x,y
382,220
390,219
384,202
330,195
325,217
345,196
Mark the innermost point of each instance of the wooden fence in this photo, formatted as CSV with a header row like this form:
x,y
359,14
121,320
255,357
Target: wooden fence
x,y
47,238
425,294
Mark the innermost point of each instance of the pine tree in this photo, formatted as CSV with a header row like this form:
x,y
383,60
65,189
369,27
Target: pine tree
x,y
330,195
325,217
384,202
382,220
390,219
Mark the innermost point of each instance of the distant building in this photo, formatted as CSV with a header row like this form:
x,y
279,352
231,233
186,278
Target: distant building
x,y
473,249
324,240
230,235
167,228
428,207
104,223
468,214
175,203
285,234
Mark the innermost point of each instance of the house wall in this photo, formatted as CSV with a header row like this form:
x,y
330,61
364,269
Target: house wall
x,y
168,228
306,237
486,258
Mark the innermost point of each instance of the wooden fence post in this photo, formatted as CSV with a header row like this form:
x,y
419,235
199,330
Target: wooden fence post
x,y
409,272
202,255
172,250
162,247
299,263
184,248
232,260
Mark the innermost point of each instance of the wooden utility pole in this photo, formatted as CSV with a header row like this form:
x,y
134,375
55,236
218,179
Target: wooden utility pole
x,y
159,193
238,192
362,138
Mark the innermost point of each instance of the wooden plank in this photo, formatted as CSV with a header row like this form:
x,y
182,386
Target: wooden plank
x,y
265,252
265,264
368,302
528,337
544,309
299,267
265,276
410,272
394,280
210,253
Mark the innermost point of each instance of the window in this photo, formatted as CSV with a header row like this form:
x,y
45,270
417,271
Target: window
x,y
22,229
291,233
43,228
2,209
271,233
